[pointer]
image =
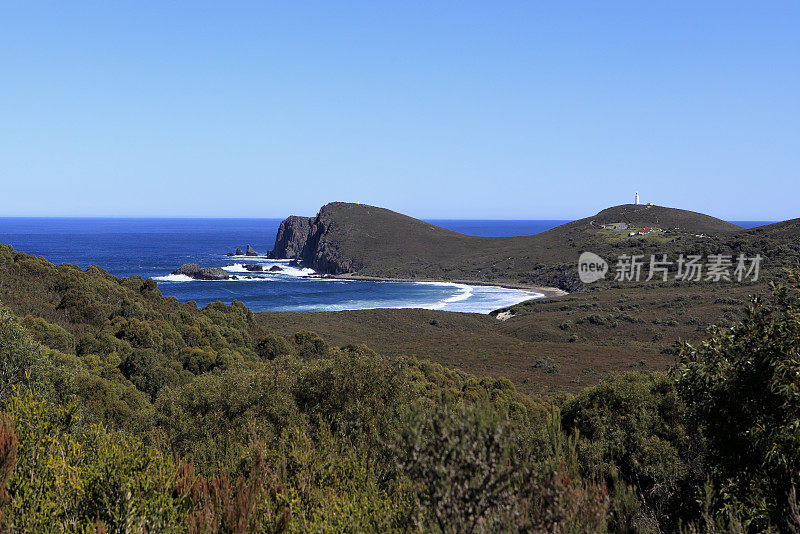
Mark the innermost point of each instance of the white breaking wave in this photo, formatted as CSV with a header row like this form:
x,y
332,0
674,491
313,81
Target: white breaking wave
x,y
243,275
464,297
468,299
184,278
285,269
464,292
173,278
235,268
486,299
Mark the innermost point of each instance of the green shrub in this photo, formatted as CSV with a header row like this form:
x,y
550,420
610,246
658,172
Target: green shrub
x,y
68,476
22,360
631,430
353,391
198,361
215,420
48,334
310,345
742,394
459,461
272,346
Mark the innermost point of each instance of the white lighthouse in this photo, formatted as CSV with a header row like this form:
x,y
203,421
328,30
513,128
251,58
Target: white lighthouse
x,y
637,198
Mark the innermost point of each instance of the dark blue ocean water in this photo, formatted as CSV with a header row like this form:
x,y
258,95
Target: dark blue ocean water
x,y
496,228
752,224
153,248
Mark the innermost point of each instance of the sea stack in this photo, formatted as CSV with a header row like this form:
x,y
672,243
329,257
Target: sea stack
x,y
238,252
193,270
250,251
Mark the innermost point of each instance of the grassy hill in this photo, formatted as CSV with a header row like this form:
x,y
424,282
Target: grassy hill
x,y
786,229
639,215
365,240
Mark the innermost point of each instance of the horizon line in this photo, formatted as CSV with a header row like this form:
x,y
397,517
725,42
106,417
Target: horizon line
x,y
180,217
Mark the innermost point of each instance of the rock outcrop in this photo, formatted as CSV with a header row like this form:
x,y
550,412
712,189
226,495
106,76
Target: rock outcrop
x,y
253,268
238,252
214,273
193,270
275,268
308,239
250,251
292,237
188,269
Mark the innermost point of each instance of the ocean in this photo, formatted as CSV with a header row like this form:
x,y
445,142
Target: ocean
x,y
153,248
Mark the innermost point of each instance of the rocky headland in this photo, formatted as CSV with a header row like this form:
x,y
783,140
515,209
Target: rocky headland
x,y
357,240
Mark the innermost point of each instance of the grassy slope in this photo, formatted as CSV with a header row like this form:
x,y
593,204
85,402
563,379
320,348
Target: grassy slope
x,y
388,244
533,349
785,229
635,324
665,218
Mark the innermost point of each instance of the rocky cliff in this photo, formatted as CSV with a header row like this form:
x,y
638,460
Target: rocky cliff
x,y
309,240
292,237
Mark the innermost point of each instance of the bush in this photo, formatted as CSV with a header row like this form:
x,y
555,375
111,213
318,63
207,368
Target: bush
x,y
50,335
459,460
471,472
198,361
65,476
22,360
310,345
56,471
742,394
215,420
631,429
83,307
272,346
355,392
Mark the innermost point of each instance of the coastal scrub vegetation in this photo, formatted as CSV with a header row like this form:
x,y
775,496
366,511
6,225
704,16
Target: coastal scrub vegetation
x,y
125,411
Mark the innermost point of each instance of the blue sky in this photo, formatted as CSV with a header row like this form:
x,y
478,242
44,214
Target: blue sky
x,y
527,110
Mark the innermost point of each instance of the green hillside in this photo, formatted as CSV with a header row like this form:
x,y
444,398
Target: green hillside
x,y
356,239
125,411
639,215
786,229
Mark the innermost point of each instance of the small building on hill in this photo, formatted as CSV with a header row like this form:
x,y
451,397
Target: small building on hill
x,y
642,231
616,226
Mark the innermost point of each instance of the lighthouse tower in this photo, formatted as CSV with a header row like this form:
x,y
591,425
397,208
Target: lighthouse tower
x,y
637,198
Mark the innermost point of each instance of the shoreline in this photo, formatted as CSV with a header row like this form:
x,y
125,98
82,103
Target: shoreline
x,y
547,291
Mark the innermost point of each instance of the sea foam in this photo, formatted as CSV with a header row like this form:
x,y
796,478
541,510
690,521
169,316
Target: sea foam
x,y
285,269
